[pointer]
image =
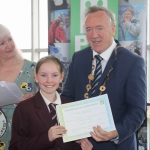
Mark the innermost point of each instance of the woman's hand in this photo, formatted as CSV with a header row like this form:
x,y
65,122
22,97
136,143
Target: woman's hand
x,y
56,132
86,144
26,96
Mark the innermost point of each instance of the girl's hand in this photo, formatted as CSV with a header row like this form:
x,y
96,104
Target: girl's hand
x,y
86,144
56,132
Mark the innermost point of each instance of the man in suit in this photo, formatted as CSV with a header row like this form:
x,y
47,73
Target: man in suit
x,y
123,79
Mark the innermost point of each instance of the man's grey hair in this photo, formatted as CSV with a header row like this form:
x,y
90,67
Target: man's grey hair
x,y
93,9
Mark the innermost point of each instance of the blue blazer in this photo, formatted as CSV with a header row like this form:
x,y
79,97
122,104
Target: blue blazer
x,y
126,89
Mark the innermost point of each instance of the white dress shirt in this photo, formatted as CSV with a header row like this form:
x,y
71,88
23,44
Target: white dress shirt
x,y
105,55
47,102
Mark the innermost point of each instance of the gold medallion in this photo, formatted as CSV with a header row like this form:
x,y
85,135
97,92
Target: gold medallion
x,y
91,77
102,88
88,87
86,95
2,145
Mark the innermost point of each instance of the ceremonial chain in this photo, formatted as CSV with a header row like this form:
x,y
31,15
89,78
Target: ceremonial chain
x,y
91,77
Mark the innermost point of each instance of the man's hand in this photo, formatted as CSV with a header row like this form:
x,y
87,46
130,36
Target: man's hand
x,y
56,132
100,135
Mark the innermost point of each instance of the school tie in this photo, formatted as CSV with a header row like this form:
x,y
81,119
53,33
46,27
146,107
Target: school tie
x,y
53,113
97,74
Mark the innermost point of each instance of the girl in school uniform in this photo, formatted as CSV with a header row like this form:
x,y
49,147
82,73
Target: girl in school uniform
x,y
33,127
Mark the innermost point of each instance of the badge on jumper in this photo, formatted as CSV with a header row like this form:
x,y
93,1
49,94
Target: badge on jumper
x,y
3,123
3,127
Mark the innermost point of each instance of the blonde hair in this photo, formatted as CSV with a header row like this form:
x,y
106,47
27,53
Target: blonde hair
x,y
130,9
4,31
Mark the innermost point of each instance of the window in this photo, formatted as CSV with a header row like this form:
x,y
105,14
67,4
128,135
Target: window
x,y
17,16
43,13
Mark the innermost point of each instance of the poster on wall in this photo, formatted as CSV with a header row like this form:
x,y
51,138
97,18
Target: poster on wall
x,y
132,26
132,16
59,31
78,38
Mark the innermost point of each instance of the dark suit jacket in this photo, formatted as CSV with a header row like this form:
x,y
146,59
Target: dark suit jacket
x,y
30,127
126,89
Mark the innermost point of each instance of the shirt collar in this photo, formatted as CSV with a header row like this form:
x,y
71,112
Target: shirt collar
x,y
57,101
106,54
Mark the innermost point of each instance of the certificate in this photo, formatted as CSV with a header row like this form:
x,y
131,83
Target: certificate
x,y
79,117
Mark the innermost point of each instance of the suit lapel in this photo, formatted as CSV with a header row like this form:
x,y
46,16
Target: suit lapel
x,y
42,111
110,64
88,63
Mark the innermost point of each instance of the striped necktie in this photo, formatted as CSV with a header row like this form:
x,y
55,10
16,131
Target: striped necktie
x,y
97,74
53,113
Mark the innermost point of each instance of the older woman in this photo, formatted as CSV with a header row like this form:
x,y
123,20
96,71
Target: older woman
x,y
13,68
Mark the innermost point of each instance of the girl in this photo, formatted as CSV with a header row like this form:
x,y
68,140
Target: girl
x,y
60,33
33,127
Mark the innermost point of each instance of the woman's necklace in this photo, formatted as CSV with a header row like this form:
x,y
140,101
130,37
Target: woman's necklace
x,y
91,77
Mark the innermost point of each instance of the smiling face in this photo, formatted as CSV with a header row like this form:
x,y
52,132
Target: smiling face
x,y
99,31
49,77
128,15
61,24
7,47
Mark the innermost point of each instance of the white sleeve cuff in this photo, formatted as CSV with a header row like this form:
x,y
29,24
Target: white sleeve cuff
x,y
115,140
